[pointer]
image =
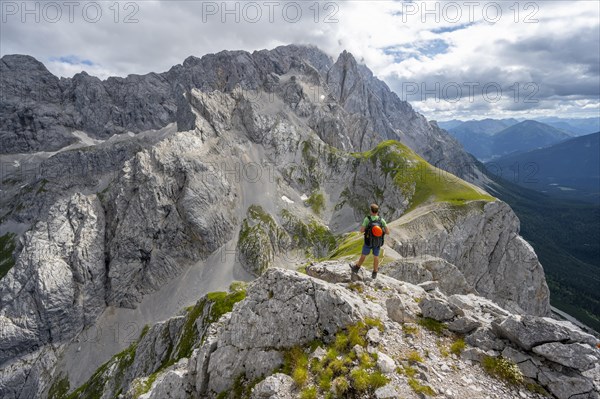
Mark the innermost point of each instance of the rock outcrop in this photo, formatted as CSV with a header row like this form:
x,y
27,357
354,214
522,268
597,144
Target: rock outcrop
x,y
205,351
482,241
57,286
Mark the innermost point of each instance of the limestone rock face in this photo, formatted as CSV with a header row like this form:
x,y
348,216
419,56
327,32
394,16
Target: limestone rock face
x,y
57,286
531,331
360,109
429,268
577,356
362,94
151,184
282,309
161,213
260,240
486,248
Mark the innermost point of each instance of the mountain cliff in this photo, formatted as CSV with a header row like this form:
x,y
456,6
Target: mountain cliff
x,y
129,199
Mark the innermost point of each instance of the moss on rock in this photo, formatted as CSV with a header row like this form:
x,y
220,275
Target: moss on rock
x,y
312,235
259,241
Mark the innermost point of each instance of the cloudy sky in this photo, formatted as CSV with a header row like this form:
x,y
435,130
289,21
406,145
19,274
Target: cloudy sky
x,y
463,59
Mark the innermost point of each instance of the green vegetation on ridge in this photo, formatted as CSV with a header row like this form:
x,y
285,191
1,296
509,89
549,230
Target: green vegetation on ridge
x,y
419,180
350,248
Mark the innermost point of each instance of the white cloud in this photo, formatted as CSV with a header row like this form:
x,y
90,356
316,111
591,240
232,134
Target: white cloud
x,y
400,43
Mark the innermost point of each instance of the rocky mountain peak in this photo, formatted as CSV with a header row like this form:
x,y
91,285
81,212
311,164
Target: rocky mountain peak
x,y
139,103
25,63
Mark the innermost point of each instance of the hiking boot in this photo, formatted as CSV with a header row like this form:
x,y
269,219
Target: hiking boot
x,y
354,268
374,275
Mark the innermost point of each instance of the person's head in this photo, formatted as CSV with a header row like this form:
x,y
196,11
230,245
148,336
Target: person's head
x,y
374,209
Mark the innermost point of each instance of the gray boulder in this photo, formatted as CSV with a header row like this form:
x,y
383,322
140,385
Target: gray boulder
x,y
530,331
402,309
464,325
438,309
276,386
421,269
577,356
331,271
565,386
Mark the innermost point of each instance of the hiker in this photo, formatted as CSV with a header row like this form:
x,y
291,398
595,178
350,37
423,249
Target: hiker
x,y
374,227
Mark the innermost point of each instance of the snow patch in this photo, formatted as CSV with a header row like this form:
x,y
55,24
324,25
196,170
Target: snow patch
x,y
84,138
286,199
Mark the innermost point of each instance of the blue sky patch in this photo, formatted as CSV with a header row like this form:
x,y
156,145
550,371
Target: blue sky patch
x,y
72,60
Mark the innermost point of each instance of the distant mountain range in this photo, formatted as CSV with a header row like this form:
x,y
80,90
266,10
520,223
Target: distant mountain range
x,y
524,136
487,126
491,138
573,126
569,169
577,127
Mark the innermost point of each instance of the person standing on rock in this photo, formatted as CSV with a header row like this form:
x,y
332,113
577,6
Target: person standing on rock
x,y
375,228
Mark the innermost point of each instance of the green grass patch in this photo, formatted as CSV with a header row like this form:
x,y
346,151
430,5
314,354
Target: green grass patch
x,y
309,393
341,372
432,325
142,386
420,389
410,329
189,334
537,388
443,349
223,303
59,388
407,370
340,386
316,201
502,368
458,346
295,363
242,388
414,357
374,323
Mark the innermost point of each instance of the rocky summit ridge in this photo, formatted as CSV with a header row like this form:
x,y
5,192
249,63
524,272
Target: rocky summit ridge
x,y
335,334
